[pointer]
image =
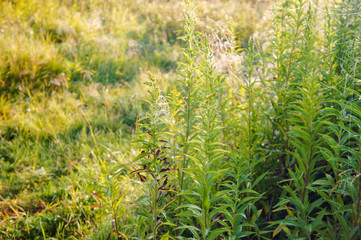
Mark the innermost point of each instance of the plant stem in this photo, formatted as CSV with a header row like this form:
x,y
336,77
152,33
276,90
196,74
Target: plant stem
x,y
115,219
358,198
184,151
155,210
308,167
190,70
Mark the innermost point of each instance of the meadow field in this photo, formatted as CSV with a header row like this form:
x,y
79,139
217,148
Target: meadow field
x,y
171,119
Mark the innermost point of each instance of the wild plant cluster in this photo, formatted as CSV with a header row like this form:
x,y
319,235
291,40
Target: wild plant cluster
x,y
71,84
269,148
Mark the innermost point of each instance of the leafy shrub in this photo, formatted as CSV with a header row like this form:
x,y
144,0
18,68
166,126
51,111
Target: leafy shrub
x,y
267,149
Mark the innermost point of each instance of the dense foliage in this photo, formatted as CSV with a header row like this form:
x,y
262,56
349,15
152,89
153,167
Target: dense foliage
x,y
266,148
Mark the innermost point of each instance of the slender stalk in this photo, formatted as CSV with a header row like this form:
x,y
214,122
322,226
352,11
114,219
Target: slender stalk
x,y
155,187
190,71
115,220
249,142
249,130
235,208
185,149
155,215
358,198
308,167
186,139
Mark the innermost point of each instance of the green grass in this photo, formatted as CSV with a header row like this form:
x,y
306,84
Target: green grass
x,y
47,154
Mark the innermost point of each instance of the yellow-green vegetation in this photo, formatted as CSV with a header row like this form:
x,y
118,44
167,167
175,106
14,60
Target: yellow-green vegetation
x,y
266,146
180,120
71,91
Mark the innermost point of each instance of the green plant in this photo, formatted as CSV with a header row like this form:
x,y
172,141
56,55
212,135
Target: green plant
x,y
156,162
282,167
